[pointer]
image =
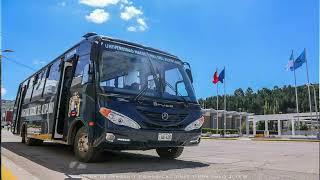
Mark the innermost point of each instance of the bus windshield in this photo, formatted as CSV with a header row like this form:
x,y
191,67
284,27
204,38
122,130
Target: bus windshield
x,y
133,71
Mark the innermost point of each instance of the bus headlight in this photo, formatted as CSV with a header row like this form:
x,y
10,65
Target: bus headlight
x,y
118,118
195,125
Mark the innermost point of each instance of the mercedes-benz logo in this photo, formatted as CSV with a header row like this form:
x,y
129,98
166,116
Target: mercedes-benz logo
x,y
165,116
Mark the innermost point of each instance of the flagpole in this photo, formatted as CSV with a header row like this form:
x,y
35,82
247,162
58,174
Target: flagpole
x,y
217,104
225,104
308,85
296,92
217,96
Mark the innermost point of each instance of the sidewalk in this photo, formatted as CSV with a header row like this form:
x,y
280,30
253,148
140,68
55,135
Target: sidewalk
x,y
11,171
283,138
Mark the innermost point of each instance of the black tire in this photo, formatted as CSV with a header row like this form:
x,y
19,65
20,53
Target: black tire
x,y
169,152
82,150
32,141
23,136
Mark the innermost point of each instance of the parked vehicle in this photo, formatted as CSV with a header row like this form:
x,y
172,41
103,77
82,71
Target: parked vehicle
x,y
106,93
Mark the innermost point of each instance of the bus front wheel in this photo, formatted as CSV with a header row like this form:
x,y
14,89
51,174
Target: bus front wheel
x,y
169,152
83,151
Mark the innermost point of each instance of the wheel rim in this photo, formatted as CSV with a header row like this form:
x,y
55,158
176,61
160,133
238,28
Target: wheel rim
x,y
83,144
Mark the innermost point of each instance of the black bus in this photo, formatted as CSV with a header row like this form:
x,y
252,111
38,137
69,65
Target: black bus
x,y
110,94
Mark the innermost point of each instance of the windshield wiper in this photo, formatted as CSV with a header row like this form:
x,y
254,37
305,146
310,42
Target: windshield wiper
x,y
144,90
141,93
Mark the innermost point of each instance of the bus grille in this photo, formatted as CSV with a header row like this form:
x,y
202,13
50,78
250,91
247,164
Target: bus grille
x,y
155,119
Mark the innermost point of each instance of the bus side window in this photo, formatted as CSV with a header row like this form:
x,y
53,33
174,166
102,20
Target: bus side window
x,y
51,84
38,87
82,62
27,97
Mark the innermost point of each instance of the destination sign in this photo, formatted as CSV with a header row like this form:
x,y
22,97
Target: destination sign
x,y
141,53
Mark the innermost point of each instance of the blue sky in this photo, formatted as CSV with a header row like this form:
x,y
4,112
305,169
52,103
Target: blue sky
x,y
253,39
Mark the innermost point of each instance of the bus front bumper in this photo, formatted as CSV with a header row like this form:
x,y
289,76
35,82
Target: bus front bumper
x,y
147,139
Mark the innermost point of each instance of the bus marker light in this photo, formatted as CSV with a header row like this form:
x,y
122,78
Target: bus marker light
x,y
105,111
91,123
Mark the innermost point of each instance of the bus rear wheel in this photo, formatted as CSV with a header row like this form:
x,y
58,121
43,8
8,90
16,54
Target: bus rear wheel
x,y
169,152
31,141
83,151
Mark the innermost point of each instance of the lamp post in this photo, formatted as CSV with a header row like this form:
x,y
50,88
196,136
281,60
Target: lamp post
x,y
2,51
315,104
240,121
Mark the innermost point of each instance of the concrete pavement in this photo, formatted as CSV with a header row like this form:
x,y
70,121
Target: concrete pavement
x,y
223,159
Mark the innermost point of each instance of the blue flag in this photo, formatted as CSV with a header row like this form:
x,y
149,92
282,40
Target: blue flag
x,y
221,76
299,61
290,63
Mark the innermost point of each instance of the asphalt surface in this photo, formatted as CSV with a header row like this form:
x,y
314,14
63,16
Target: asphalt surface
x,y
212,159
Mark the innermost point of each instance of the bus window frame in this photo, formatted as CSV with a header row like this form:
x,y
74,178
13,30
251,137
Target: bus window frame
x,y
46,77
35,78
28,86
40,75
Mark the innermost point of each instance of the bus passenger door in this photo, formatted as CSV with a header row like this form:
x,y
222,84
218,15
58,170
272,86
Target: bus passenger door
x,y
17,109
67,71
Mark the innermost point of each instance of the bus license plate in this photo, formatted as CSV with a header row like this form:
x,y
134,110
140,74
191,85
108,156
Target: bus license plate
x,y
164,136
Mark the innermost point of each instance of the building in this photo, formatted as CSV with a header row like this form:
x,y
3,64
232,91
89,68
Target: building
x,y
214,119
6,109
274,124
288,124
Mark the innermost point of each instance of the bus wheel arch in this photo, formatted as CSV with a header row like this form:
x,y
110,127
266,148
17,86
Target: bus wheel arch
x,y
29,141
83,151
76,125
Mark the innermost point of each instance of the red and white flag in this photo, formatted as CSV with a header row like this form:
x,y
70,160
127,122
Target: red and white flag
x,y
215,78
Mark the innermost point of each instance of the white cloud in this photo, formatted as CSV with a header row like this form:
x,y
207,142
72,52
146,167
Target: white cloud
x,y
132,29
142,24
98,16
126,2
3,91
99,3
39,62
130,12
62,4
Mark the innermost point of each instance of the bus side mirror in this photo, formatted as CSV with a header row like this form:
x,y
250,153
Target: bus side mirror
x,y
188,71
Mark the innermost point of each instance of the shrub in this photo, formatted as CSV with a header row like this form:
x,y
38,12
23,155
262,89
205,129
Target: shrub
x,y
220,131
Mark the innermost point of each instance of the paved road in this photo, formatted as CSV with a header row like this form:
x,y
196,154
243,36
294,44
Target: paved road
x,y
213,159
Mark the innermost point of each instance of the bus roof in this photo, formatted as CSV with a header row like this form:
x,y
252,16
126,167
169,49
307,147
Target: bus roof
x,y
139,46
91,36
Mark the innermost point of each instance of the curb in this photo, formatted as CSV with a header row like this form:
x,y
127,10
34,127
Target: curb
x,y
257,139
11,170
219,138
288,140
7,174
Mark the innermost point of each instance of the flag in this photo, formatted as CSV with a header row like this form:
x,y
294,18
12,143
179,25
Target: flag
x,y
290,63
221,76
300,60
215,78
